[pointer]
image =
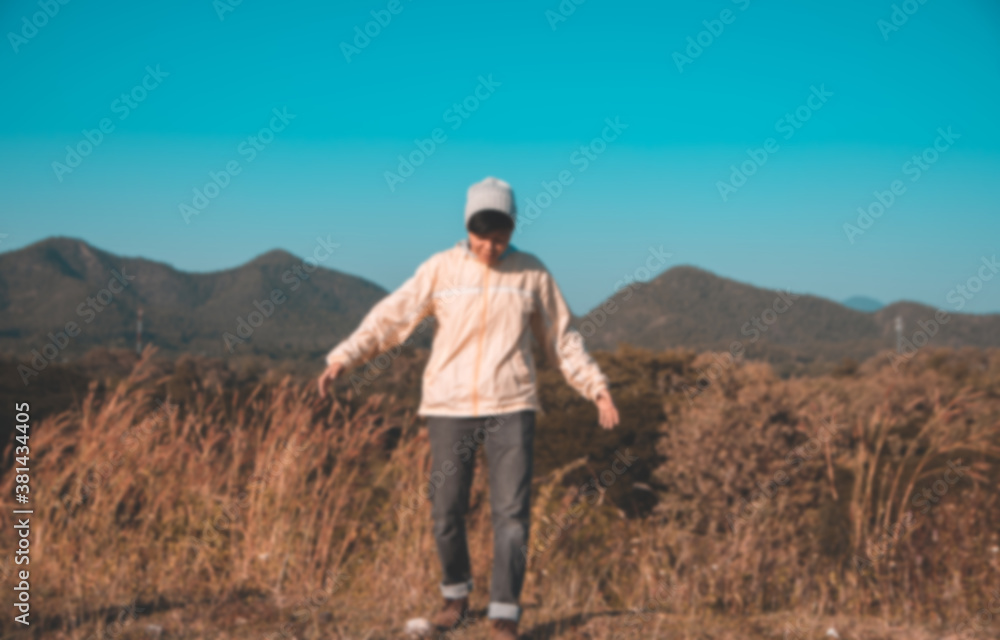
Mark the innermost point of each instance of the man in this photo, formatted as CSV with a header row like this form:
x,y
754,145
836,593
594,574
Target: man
x,y
479,387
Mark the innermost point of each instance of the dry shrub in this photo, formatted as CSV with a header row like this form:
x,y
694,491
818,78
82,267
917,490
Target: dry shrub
x,y
809,492
271,493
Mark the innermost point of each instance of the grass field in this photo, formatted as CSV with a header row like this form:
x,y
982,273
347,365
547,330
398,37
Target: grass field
x,y
756,507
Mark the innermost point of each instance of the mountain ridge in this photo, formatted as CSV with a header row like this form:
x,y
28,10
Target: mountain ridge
x,y
47,284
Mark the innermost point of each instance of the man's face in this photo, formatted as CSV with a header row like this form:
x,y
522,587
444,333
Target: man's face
x,y
489,247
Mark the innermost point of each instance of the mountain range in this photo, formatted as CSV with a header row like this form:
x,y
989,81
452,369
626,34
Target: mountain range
x,y
61,296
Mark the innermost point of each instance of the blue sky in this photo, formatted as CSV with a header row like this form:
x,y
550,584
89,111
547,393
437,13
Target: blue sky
x,y
215,74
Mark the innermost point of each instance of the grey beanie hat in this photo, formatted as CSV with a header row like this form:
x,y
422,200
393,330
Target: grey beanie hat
x,y
490,193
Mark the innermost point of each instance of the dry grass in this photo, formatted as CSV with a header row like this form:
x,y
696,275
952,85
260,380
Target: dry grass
x,y
235,512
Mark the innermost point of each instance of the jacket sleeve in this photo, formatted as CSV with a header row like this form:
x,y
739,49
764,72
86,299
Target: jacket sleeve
x,y
562,344
390,321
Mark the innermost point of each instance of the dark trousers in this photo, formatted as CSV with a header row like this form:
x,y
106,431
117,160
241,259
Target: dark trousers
x,y
508,439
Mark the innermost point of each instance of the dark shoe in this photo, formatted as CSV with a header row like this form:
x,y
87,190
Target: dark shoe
x,y
451,614
504,630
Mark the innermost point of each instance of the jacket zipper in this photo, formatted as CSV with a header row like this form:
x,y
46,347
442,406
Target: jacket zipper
x,y
479,343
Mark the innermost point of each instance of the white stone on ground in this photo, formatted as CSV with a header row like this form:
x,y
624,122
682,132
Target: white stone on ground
x,y
418,627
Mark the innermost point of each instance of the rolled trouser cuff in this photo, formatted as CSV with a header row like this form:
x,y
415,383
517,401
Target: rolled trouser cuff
x,y
504,611
456,591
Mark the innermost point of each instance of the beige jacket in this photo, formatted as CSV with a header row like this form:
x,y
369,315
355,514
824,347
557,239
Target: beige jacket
x,y
481,361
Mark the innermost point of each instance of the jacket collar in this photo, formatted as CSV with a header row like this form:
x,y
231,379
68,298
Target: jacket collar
x,y
464,243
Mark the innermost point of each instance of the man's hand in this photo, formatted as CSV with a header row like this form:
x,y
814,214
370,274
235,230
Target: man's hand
x,y
607,414
328,376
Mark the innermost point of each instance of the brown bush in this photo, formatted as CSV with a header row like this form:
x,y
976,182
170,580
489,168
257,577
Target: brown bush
x,y
272,495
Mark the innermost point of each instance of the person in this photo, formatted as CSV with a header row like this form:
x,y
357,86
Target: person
x,y
479,387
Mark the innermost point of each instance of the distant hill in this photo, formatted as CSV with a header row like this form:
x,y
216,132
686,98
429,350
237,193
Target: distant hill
x,y
43,286
863,303
959,329
46,285
693,308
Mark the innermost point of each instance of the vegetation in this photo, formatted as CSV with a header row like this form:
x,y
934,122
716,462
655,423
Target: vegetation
x,y
198,505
